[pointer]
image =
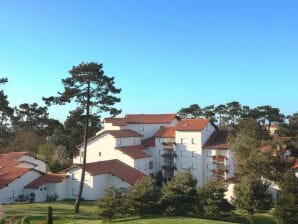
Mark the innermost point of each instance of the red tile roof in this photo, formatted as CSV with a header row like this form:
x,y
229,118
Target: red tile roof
x,y
135,151
142,119
166,132
11,159
191,124
218,140
116,168
9,174
124,133
116,121
46,178
148,142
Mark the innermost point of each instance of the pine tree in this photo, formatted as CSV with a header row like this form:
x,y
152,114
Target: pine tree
x,y
179,194
143,197
286,204
251,194
110,205
90,88
211,199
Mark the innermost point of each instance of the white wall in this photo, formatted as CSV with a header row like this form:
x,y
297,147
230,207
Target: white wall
x,y
103,181
148,130
9,193
189,153
41,165
73,183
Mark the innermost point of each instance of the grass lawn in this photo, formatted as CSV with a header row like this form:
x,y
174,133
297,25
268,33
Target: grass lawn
x,y
63,213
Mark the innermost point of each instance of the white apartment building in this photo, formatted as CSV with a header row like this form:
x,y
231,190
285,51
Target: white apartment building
x,y
123,152
151,143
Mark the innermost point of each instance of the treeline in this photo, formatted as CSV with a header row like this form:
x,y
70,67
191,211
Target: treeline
x,y
230,113
28,127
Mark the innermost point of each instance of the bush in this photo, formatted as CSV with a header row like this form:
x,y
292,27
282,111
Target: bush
x,y
52,197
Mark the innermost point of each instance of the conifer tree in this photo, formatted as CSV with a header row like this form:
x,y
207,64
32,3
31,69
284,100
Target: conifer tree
x,y
143,197
90,88
286,204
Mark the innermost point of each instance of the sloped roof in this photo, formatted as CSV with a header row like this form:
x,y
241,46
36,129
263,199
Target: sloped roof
x,y
11,159
116,121
135,151
148,142
191,124
46,178
9,174
142,119
218,140
123,133
116,168
166,132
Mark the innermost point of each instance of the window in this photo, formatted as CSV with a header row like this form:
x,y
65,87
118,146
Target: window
x,y
184,165
73,176
118,141
183,141
194,166
209,167
141,128
193,141
193,154
82,153
99,153
10,196
134,141
183,154
150,165
44,188
209,153
40,189
74,192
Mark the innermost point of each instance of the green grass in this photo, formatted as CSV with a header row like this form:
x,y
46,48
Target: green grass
x,y
63,213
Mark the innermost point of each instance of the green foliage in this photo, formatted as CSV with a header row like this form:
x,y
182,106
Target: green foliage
x,y
142,198
286,204
56,166
180,194
211,201
110,205
248,138
90,88
46,150
25,220
251,194
50,215
193,111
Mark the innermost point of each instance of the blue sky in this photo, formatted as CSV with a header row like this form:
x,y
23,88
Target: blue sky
x,y
164,54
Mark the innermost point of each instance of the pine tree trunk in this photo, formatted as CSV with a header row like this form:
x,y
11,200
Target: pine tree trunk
x,y
78,200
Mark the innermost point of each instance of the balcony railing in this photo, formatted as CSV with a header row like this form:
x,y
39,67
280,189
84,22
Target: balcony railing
x,y
169,155
169,167
169,145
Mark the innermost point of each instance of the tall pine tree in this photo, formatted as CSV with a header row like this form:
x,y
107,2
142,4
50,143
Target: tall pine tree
x,y
90,88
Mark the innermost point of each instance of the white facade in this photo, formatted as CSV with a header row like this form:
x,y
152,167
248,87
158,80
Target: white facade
x,y
94,185
12,191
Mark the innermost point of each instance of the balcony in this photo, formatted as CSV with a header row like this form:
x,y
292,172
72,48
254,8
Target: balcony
x,y
169,155
169,145
219,159
169,167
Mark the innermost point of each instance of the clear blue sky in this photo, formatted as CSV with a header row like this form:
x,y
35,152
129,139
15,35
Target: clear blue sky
x,y
164,54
